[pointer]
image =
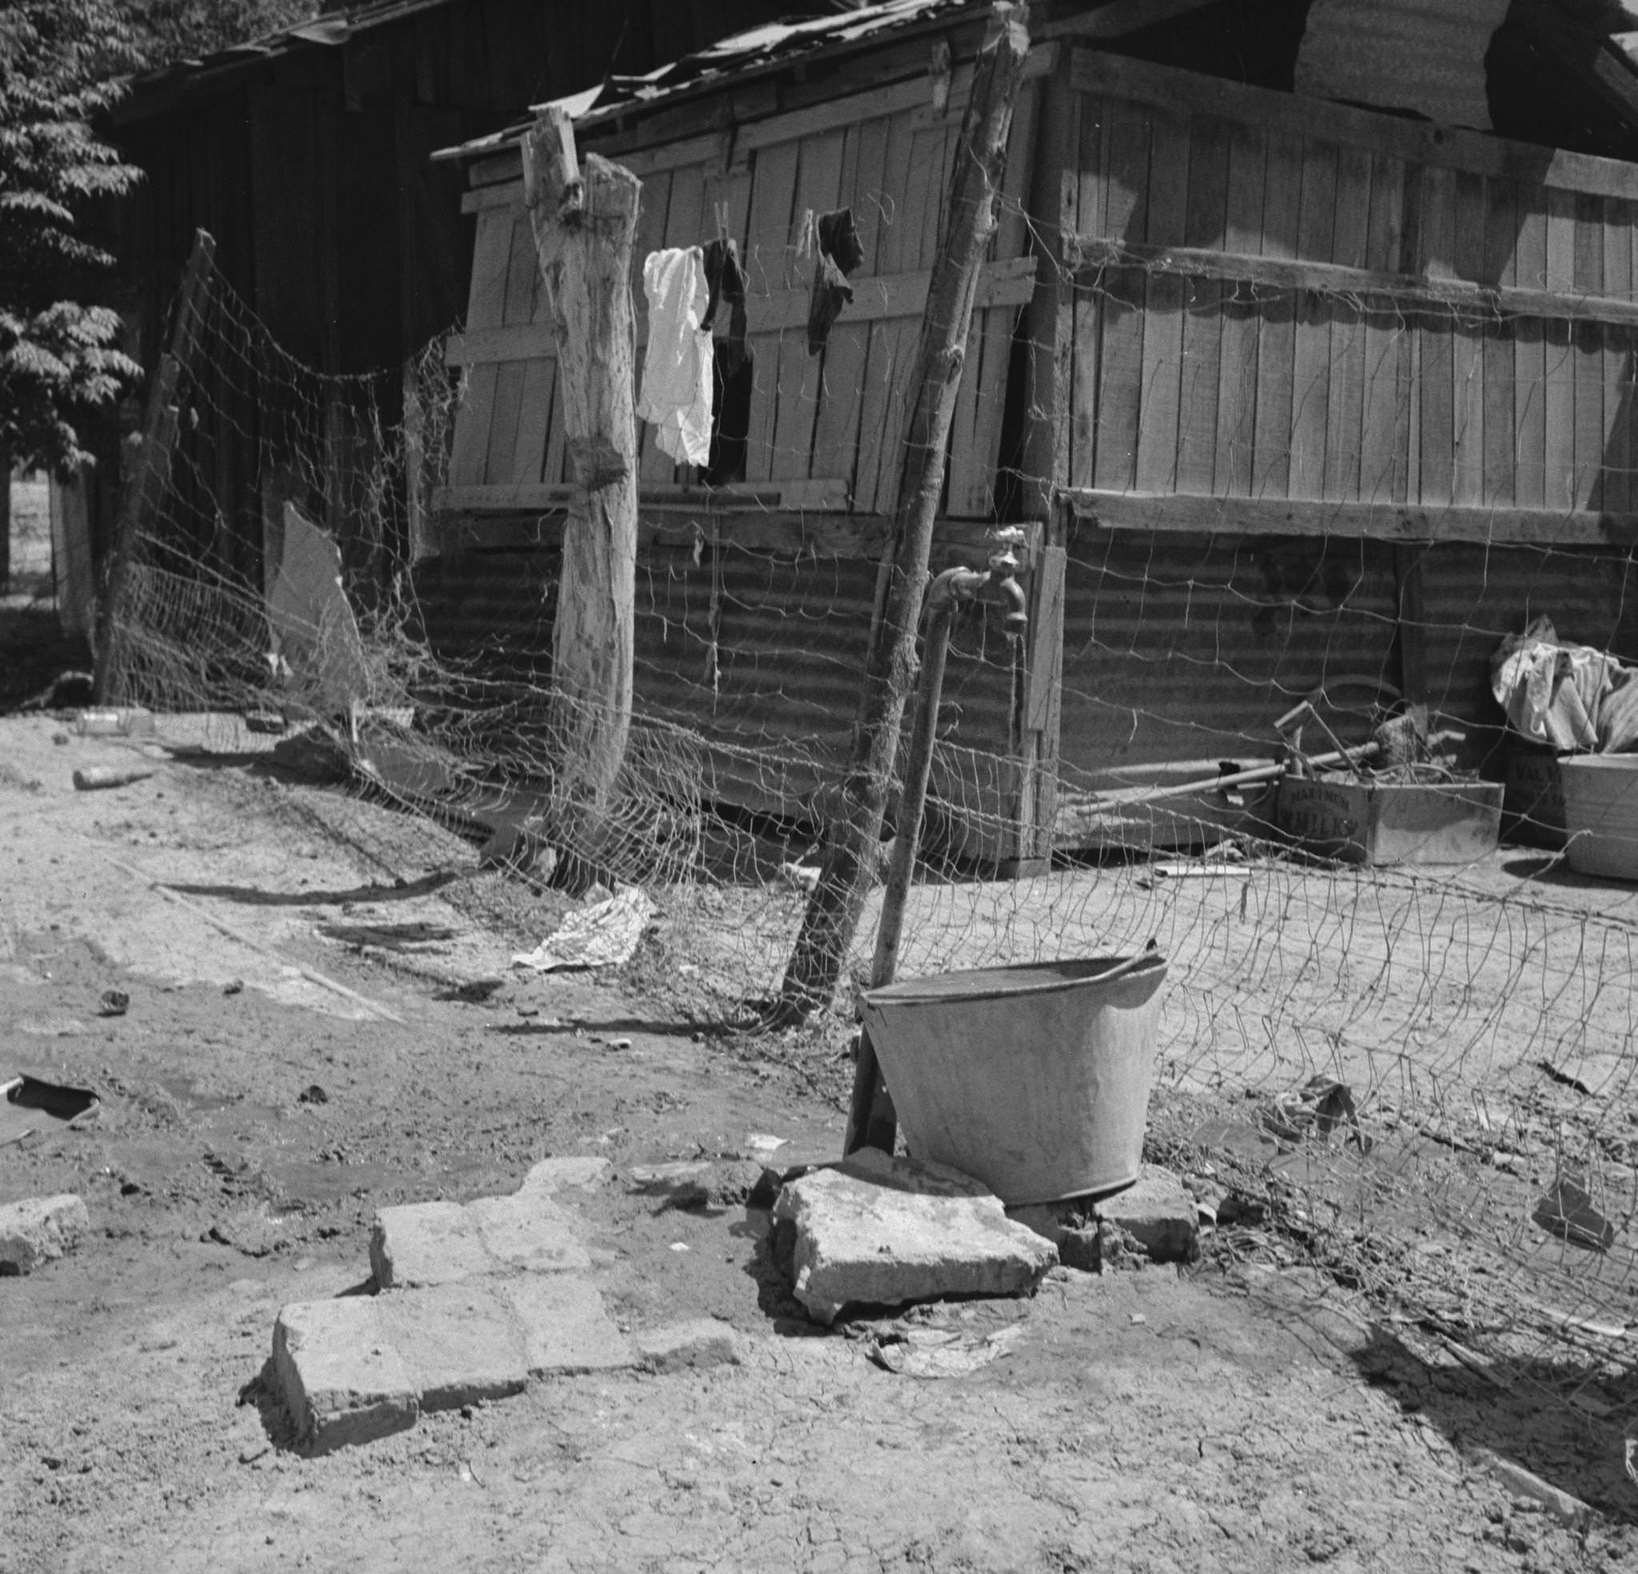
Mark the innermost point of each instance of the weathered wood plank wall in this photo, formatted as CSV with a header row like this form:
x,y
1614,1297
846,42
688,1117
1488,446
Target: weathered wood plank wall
x,y
825,430
1294,301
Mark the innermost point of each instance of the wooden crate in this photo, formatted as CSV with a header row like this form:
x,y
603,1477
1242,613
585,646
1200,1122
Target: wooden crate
x,y
1370,822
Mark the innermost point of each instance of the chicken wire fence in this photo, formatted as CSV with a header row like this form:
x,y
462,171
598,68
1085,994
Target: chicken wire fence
x,y
1424,1076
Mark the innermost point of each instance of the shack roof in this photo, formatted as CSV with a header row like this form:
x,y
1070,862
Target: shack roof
x,y
1594,41
768,47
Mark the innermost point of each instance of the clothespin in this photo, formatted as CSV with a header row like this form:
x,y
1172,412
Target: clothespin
x,y
722,222
807,239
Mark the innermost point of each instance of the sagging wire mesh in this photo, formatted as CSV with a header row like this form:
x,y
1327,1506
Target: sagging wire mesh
x,y
1479,1015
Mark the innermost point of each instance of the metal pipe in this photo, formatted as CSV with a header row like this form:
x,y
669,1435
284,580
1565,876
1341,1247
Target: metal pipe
x,y
953,589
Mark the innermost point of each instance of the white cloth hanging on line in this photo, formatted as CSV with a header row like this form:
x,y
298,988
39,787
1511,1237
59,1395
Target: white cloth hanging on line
x,y
676,395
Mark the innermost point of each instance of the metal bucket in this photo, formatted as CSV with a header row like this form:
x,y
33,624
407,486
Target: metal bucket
x,y
1601,814
1035,1080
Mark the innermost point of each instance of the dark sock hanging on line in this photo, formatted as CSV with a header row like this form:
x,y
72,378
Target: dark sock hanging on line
x,y
839,254
726,281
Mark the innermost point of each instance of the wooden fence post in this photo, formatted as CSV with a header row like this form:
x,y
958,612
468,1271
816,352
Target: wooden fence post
x,y
584,221
833,911
140,496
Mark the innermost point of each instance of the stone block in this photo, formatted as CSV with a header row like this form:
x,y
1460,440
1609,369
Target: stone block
x,y
339,1375
552,1175
882,1231
1158,1213
427,1243
528,1231
38,1229
564,1324
702,1342
459,1343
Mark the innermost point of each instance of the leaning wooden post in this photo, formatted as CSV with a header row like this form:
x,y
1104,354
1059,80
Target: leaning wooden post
x,y
583,222
140,496
834,910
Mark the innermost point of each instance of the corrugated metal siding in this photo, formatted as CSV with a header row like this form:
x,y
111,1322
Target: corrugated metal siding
x,y
1186,648
1423,55
758,652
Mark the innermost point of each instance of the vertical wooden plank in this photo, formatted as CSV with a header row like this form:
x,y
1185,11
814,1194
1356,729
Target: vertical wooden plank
x,y
685,217
1385,220
1353,207
905,196
1237,359
1436,410
1207,208
469,453
1436,226
866,195
768,232
1127,182
882,415
1012,230
1499,468
1276,334
1559,389
1384,435
1311,363
1092,180
1615,491
1530,356
1162,381
767,254
534,420
836,431
1587,352
1467,349
1120,390
1619,217
491,265
1589,244
1204,221
554,468
1167,203
1085,378
933,152
1282,196
522,274
503,423
975,447
1501,233
1276,344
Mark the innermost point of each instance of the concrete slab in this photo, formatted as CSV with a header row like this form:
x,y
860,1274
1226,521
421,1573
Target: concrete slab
x,y
1158,1213
565,1325
701,1342
883,1231
426,1243
528,1231
459,1343
339,1375
38,1229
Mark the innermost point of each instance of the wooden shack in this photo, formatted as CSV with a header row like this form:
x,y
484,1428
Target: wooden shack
x,y
1293,398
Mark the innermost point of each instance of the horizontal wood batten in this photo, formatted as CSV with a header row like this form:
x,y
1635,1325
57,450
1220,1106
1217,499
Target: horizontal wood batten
x,y
1422,142
819,493
1009,283
1376,521
785,532
1085,253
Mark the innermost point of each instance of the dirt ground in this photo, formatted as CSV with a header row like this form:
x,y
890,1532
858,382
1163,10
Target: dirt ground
x,y
298,1051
